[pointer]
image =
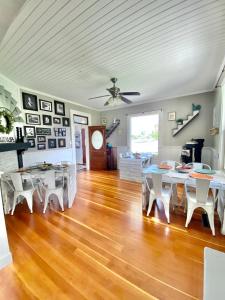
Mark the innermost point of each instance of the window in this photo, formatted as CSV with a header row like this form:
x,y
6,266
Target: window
x,y
144,133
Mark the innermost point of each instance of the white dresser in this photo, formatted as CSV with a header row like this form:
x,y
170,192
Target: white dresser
x,y
131,168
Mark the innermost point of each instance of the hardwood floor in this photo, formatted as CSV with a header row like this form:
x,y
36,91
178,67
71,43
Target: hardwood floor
x,y
104,248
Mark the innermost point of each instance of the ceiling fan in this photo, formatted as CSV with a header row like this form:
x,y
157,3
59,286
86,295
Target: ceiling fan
x,y
115,95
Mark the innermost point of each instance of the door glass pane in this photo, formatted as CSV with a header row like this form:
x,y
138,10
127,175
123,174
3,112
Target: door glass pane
x,y
97,139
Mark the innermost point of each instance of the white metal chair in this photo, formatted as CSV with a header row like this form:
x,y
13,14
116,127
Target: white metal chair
x,y
24,190
158,192
52,189
196,165
197,197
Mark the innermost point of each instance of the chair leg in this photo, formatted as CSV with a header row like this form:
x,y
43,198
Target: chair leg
x,y
14,204
150,202
167,211
30,202
60,197
189,215
210,214
46,202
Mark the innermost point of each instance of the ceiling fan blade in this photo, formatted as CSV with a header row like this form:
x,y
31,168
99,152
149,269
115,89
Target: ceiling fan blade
x,y
99,97
130,94
125,100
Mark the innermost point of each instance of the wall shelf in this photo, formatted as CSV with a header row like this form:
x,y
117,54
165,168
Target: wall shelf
x,y
14,146
190,118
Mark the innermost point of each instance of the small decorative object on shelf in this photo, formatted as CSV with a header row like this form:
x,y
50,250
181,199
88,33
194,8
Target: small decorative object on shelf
x,y
213,131
19,136
196,107
179,121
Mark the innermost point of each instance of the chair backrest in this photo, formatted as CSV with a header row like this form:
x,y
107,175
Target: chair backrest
x,y
157,183
49,179
171,163
17,181
202,190
197,165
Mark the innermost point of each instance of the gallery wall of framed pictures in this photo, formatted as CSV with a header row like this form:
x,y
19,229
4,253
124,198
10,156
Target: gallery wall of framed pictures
x,y
47,122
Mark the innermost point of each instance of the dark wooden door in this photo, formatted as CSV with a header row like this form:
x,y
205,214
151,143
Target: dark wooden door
x,y
97,147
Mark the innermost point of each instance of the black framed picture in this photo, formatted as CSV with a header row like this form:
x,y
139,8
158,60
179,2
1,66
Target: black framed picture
x,y
31,142
56,120
43,131
51,143
61,143
33,119
59,108
66,122
60,131
29,101
41,139
45,105
29,131
41,146
77,119
47,120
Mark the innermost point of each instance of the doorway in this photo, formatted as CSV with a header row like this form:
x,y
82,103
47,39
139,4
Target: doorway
x,y
80,140
80,146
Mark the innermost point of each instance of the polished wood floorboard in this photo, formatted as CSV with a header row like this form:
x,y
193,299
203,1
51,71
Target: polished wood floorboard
x,y
105,248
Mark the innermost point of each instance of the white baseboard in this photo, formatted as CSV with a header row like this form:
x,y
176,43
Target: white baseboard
x,y
5,260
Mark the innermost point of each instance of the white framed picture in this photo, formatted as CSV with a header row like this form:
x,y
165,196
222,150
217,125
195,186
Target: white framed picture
x,y
104,121
172,116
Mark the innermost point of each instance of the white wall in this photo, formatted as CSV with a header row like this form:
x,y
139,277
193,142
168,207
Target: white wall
x,y
54,155
169,146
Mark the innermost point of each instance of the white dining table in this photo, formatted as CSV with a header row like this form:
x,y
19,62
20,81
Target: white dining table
x,y
174,177
36,173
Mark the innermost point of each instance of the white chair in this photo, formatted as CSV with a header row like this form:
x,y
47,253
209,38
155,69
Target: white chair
x,y
197,197
173,164
71,185
52,189
196,165
24,190
158,192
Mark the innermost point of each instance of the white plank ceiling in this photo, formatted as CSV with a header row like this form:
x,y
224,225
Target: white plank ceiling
x,y
71,48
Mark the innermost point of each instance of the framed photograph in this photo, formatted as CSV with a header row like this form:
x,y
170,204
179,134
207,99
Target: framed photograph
x,y
43,131
41,146
33,119
51,143
77,119
66,122
61,143
172,116
31,142
104,121
60,131
29,101
45,105
29,131
47,120
56,120
59,108
41,139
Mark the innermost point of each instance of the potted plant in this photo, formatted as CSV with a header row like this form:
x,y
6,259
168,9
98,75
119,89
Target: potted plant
x,y
179,121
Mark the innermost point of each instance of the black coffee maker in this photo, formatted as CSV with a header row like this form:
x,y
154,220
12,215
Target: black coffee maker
x,y
192,151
